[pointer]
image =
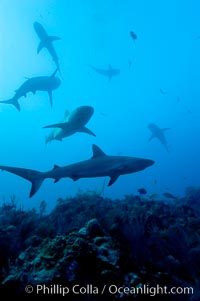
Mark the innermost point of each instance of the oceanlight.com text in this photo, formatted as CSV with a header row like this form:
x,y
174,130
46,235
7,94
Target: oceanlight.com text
x,y
111,289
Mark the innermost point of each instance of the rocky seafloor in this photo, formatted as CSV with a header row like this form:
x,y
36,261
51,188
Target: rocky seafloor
x,y
94,248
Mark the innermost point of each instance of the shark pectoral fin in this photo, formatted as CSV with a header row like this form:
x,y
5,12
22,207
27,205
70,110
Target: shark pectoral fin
x,y
151,137
62,125
40,46
166,129
54,38
97,152
13,101
50,98
113,179
84,129
74,178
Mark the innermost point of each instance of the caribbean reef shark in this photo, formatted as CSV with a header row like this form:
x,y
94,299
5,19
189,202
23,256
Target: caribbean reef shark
x,y
33,84
100,165
159,134
110,72
46,41
73,122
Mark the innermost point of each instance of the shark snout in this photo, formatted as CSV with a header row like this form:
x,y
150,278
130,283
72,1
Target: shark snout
x,y
149,162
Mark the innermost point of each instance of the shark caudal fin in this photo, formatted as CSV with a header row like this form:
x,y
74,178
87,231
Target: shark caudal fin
x,y
12,101
34,176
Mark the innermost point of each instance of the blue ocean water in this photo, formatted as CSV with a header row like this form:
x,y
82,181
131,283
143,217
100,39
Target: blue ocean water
x,y
158,83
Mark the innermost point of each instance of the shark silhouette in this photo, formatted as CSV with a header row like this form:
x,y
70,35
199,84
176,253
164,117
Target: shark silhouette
x,y
100,165
110,72
33,84
158,133
73,122
46,41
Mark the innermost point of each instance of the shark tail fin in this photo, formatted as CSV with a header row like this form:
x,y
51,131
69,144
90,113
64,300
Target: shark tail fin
x,y
12,101
35,177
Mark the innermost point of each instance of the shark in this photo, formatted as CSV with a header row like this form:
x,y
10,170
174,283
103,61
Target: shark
x,y
73,122
110,72
46,41
33,84
57,133
158,133
99,165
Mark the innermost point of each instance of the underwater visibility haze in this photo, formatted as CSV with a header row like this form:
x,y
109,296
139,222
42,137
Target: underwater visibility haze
x,y
103,98
126,61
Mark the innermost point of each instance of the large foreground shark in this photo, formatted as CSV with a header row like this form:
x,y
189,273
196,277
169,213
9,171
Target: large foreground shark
x,y
46,41
73,122
158,133
100,165
110,72
33,84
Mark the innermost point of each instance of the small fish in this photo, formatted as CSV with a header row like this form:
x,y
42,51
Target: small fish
x,y
133,35
163,91
189,111
153,196
142,190
169,195
155,181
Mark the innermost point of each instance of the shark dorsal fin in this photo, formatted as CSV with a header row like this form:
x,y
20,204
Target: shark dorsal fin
x,y
97,152
55,166
66,114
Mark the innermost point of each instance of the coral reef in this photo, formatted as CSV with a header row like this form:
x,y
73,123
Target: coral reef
x,y
88,241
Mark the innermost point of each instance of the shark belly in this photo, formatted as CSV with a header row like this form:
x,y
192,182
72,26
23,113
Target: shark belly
x,y
86,169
